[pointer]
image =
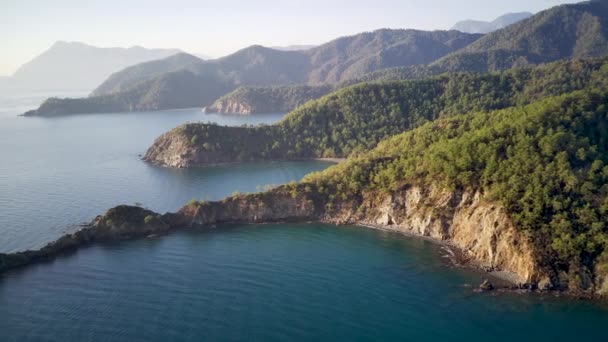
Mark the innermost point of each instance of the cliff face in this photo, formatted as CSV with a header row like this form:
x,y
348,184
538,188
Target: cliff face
x,y
480,228
275,206
170,149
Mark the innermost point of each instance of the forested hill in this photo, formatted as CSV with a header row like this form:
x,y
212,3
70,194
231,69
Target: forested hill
x,y
358,117
545,163
521,189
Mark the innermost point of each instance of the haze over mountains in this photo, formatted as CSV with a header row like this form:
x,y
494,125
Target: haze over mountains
x,y
566,31
479,26
185,81
75,65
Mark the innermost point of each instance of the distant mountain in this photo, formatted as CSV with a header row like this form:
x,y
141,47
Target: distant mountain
x,y
178,89
351,57
293,47
74,65
477,26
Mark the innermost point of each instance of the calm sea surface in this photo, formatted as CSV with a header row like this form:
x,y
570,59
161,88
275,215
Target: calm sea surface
x,y
241,283
60,172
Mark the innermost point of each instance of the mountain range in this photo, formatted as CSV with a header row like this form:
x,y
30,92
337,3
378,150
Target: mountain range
x,y
566,31
183,80
338,60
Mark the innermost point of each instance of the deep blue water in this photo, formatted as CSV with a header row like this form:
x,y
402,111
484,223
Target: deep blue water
x,y
305,282
240,283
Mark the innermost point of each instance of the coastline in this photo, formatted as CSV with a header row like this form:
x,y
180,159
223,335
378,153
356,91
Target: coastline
x,y
128,223
91,234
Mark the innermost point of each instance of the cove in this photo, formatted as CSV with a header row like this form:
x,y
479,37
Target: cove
x,y
271,283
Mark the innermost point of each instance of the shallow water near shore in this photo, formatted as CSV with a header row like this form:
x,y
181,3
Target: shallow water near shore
x,y
274,282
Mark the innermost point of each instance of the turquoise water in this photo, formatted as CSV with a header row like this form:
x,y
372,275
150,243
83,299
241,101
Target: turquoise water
x,y
278,282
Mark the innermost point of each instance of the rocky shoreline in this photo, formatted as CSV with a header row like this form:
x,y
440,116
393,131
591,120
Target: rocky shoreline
x,y
103,229
477,232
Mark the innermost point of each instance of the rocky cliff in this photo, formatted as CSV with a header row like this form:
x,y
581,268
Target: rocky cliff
x,y
480,228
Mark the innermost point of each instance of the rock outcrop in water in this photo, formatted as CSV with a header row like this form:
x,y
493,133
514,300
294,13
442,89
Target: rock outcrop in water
x,y
119,223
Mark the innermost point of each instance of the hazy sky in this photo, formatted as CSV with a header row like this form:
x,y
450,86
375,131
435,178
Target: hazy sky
x,y
219,27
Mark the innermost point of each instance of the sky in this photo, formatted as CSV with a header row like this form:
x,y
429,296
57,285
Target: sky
x,y
219,27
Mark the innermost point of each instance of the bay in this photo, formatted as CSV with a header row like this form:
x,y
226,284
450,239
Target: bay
x,y
57,173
